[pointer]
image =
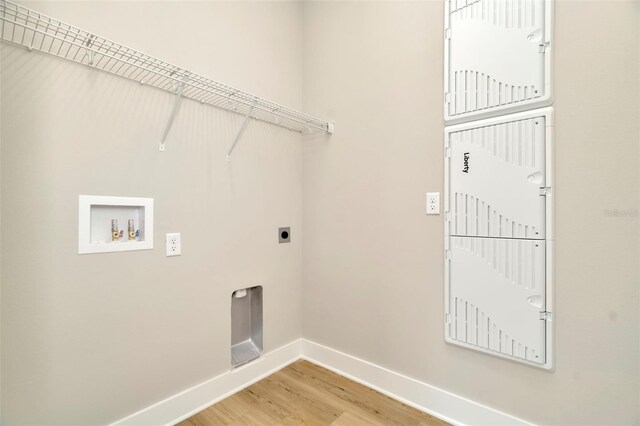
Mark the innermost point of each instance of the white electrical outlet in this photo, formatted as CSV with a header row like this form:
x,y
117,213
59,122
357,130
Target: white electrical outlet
x,y
173,244
433,203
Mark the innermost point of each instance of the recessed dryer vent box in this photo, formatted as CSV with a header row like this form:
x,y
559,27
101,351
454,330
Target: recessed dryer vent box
x,y
499,236
497,57
246,325
109,224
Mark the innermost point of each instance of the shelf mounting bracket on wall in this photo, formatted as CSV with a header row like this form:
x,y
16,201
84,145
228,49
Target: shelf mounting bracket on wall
x,y
244,124
179,89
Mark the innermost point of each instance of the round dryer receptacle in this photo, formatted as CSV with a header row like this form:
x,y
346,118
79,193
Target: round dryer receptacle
x,y
284,235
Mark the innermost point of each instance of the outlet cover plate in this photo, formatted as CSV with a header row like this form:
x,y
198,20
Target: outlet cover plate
x,y
173,243
433,203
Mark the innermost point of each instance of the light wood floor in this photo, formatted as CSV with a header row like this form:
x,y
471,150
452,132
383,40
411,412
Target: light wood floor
x,y
304,393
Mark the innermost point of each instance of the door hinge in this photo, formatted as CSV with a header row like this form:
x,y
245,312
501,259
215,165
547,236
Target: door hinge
x,y
447,97
544,191
447,318
544,47
447,216
545,316
447,33
447,152
447,254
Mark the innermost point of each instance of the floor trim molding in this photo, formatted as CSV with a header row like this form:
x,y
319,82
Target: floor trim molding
x,y
430,399
190,401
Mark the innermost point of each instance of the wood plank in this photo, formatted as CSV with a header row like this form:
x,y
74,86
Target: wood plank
x,y
306,394
354,419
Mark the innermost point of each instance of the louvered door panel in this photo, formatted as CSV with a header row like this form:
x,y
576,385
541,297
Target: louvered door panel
x,y
496,176
497,57
498,236
496,294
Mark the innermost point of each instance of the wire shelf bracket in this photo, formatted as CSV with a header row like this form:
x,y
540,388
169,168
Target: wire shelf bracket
x,y
35,31
176,102
235,141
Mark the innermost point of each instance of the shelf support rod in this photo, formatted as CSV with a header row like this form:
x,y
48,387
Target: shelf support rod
x,y
174,109
244,124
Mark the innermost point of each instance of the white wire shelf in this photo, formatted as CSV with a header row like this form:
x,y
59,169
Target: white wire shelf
x,y
35,31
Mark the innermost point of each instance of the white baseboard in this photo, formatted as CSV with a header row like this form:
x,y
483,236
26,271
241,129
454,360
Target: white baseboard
x,y
188,402
430,399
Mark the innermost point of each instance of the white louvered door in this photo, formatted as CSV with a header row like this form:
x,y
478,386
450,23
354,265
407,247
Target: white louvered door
x,y
497,291
498,235
497,57
496,175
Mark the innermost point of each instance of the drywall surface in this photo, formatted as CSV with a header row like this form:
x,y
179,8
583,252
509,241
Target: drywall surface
x,y
373,261
89,339
0,241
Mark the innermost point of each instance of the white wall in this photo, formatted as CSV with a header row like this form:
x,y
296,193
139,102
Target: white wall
x,y
372,261
0,239
90,339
